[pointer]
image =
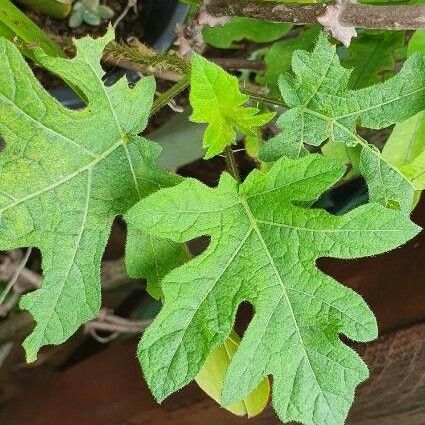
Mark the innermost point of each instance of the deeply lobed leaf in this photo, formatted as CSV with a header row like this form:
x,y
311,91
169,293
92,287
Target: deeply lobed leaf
x,y
263,249
322,108
65,175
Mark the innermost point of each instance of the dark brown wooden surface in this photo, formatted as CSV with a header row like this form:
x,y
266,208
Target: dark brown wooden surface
x,y
395,394
107,389
393,284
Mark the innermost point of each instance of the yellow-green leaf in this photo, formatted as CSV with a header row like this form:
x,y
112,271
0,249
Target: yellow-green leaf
x,y
211,379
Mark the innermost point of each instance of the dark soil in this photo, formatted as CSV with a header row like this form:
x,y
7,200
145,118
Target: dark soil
x,y
129,27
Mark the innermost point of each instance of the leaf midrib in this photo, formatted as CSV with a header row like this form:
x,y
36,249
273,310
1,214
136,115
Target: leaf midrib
x,y
119,129
69,177
395,99
334,121
256,229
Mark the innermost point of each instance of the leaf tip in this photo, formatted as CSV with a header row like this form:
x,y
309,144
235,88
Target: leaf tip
x,y
31,349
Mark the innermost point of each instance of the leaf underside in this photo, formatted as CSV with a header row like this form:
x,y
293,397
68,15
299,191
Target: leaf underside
x,y
65,175
263,250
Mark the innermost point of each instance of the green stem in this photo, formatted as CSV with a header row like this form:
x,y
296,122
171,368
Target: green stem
x,y
231,164
265,99
169,95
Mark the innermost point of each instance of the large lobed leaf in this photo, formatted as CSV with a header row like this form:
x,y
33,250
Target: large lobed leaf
x,y
65,175
264,247
321,107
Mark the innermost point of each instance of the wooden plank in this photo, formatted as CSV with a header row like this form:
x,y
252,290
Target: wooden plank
x,y
395,394
107,389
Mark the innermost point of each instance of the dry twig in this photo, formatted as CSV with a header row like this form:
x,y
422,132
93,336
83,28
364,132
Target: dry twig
x,y
341,18
115,325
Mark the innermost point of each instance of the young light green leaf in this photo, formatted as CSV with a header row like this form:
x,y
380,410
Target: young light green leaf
x,y
240,28
217,101
65,175
211,379
264,247
323,108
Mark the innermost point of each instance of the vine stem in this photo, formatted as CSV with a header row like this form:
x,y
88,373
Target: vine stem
x,y
231,164
165,98
351,14
263,98
15,276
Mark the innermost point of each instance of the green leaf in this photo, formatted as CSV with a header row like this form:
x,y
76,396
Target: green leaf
x,y
278,57
321,107
152,258
211,379
18,28
371,57
407,141
417,43
217,100
415,171
56,9
238,29
264,247
405,148
65,175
